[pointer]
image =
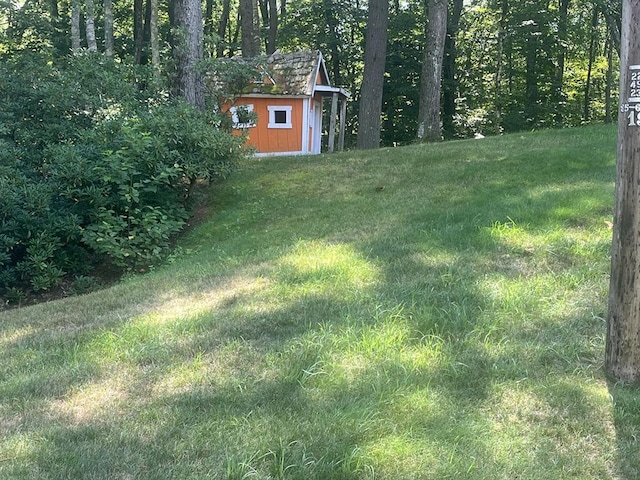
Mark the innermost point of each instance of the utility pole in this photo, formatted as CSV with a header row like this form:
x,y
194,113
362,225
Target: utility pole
x,y
622,356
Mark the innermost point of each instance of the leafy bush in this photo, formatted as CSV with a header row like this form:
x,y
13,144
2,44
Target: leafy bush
x,y
94,169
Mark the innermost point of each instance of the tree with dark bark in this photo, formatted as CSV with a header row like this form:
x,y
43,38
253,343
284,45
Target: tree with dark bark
x,y
592,54
429,121
622,357
269,15
188,51
375,52
138,30
557,95
250,35
449,69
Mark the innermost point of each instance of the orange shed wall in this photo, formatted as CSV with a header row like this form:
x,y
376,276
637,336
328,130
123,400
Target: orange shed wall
x,y
271,140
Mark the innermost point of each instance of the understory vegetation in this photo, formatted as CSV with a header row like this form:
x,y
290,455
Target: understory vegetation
x,y
94,169
428,312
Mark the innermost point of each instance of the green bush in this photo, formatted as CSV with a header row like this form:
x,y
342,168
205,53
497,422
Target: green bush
x,y
94,169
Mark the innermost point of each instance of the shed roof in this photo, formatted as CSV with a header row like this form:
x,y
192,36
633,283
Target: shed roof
x,y
293,74
296,73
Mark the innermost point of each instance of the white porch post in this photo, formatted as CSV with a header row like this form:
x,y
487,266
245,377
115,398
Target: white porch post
x,y
343,117
332,122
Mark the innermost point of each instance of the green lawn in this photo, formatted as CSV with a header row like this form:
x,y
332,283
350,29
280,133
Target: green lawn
x,y
318,326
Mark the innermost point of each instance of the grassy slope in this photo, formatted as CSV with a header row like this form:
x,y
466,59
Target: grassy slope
x,y
449,325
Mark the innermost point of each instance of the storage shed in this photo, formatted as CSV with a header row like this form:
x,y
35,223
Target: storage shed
x,y
286,101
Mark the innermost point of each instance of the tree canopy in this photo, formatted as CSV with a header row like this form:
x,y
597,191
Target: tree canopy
x,y
508,65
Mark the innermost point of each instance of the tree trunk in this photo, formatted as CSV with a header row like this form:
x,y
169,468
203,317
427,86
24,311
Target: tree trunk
x,y
609,85
612,15
146,38
622,356
138,30
222,27
502,33
429,128
449,73
272,32
188,51
247,10
208,18
558,80
592,55
108,28
53,8
92,45
155,41
375,54
333,41
531,110
263,13
75,26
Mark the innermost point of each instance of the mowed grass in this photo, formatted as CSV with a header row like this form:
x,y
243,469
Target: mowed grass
x,y
427,312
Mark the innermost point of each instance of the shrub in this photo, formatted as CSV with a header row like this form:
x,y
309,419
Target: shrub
x,y
93,169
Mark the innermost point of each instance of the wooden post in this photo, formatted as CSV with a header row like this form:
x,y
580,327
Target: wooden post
x,y
332,122
622,356
343,120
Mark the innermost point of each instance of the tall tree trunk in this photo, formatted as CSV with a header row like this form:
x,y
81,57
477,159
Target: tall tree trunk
x,y
333,40
155,40
188,51
558,79
272,31
53,8
622,355
92,45
449,71
502,33
138,30
609,84
233,38
613,18
75,26
531,109
263,10
247,10
592,57
146,31
222,27
375,53
429,128
108,28
208,18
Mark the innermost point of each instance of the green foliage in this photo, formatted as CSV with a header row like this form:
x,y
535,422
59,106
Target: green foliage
x,y
93,169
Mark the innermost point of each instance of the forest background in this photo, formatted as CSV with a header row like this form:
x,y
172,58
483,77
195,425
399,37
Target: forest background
x,y
106,125
507,65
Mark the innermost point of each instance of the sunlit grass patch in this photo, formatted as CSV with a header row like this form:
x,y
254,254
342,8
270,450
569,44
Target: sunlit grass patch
x,y
321,266
317,327
529,418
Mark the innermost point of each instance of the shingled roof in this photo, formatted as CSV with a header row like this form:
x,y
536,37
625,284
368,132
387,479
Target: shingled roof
x,y
293,73
279,73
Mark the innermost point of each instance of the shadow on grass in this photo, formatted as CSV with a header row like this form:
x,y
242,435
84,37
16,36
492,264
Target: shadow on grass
x,y
626,415
443,355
